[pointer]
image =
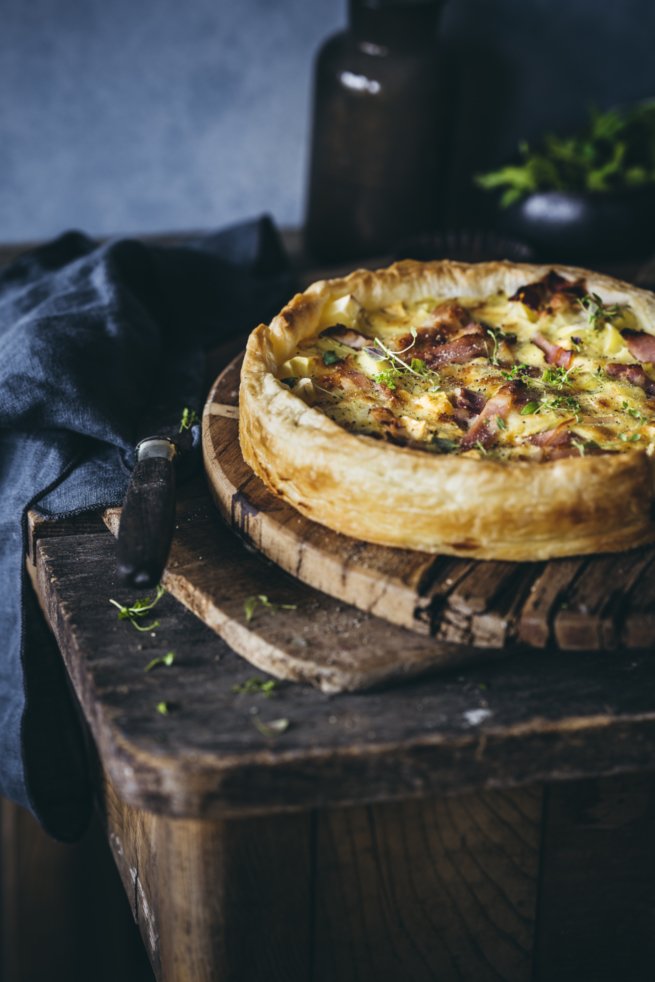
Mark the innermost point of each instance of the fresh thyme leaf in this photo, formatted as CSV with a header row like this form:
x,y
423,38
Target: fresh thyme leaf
x,y
163,708
600,313
515,372
140,607
557,376
479,446
500,423
561,403
189,417
633,412
166,659
387,378
530,408
417,367
250,605
256,686
273,728
331,358
630,437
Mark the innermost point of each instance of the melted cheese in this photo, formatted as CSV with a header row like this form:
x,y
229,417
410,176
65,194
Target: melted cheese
x,y
381,391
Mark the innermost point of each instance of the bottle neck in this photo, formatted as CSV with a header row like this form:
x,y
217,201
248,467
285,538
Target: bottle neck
x,y
395,24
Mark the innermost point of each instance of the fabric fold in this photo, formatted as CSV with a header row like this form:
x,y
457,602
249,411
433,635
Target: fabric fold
x,y
89,334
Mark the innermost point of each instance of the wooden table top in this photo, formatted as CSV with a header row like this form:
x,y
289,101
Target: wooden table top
x,y
532,717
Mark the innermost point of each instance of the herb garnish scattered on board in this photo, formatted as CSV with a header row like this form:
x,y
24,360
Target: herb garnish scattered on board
x,y
250,605
166,659
256,685
271,729
615,151
135,611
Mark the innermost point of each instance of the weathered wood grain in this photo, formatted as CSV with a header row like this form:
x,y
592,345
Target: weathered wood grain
x,y
576,604
592,615
597,898
639,612
217,901
545,596
329,644
444,889
499,723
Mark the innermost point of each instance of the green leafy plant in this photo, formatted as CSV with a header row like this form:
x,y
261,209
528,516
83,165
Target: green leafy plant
x,y
189,418
615,150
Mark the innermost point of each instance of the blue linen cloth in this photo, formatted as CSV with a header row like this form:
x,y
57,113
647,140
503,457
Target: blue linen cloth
x,y
87,334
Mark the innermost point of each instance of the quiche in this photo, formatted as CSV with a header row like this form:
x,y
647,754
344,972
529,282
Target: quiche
x,y
492,410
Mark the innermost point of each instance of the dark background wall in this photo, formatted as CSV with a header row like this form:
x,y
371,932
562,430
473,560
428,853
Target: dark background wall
x,y
157,114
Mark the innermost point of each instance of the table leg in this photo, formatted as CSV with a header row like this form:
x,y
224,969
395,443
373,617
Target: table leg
x,y
550,885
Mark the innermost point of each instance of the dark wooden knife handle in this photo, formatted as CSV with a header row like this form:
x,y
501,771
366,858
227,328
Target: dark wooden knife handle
x,y
147,523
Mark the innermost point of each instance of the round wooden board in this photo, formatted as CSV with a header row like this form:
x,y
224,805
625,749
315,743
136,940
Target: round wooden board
x,y
595,603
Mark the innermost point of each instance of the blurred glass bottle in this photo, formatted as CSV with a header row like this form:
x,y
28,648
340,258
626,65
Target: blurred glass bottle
x,y
379,131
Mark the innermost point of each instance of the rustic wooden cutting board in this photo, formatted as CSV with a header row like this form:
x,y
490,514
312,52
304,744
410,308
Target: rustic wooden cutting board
x,y
589,603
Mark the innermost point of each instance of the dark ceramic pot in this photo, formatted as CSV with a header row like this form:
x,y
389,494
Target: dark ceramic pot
x,y
571,226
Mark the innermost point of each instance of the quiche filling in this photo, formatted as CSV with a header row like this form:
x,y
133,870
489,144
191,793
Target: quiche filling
x,y
551,371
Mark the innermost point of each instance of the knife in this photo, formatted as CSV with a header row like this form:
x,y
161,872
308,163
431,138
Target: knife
x,y
147,520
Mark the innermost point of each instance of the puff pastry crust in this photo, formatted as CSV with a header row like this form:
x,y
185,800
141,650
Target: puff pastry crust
x,y
471,504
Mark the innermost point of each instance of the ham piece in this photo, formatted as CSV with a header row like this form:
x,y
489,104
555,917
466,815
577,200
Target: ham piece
x,y
484,428
555,355
458,352
631,373
641,346
346,335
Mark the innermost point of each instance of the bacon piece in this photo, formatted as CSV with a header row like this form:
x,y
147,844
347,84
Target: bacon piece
x,y
350,380
631,373
555,355
537,295
456,352
467,400
558,436
640,345
347,336
466,404
485,426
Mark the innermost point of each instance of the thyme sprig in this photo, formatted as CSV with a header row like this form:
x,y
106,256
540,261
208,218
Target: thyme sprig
x,y
598,312
135,611
516,372
398,367
557,376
